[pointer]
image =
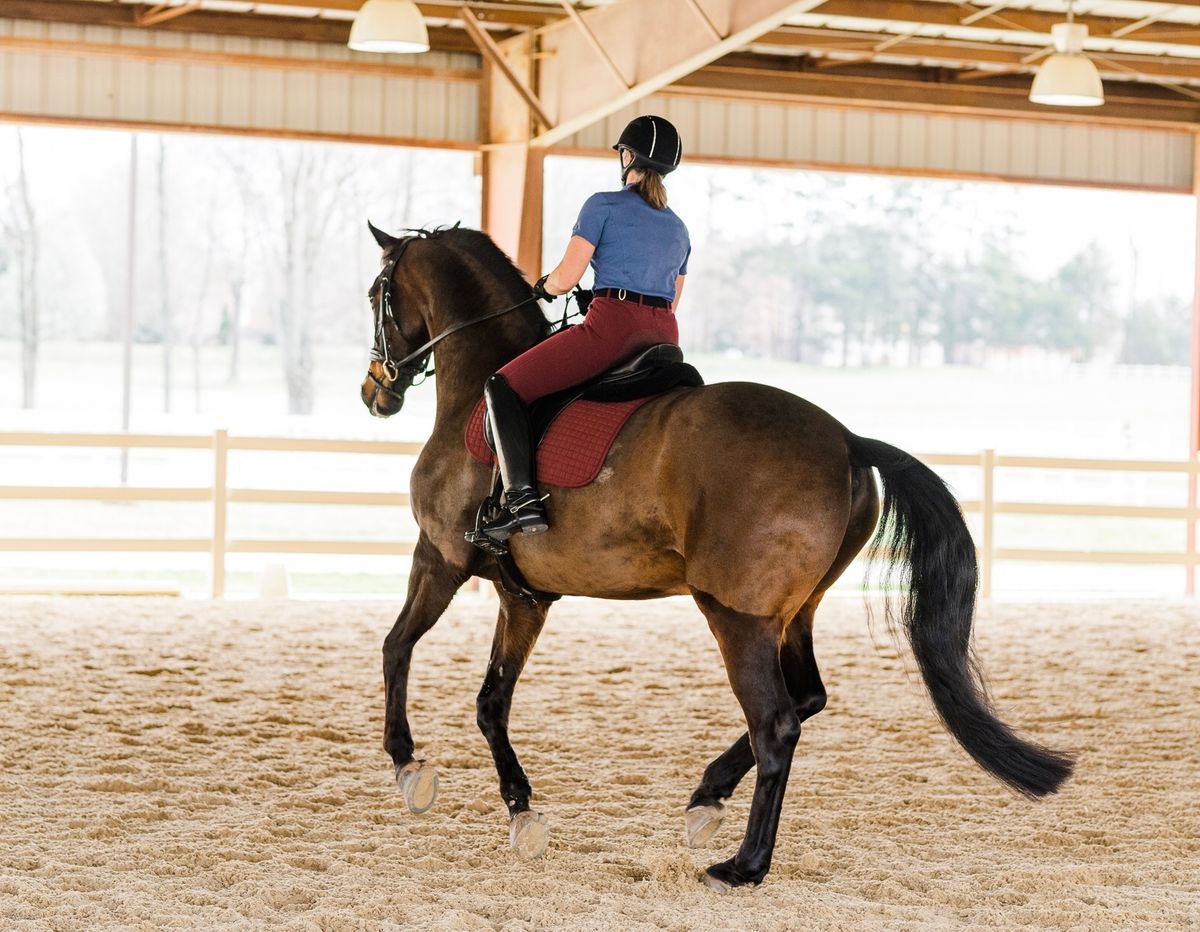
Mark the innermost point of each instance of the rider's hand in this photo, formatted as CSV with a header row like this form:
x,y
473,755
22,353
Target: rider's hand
x,y
540,292
583,299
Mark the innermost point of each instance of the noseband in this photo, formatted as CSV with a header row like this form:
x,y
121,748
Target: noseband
x,y
416,362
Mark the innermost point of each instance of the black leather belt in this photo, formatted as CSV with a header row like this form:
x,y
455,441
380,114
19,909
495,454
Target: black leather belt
x,y
624,294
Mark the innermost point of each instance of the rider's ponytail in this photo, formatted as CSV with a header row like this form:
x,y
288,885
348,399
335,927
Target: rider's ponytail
x,y
650,186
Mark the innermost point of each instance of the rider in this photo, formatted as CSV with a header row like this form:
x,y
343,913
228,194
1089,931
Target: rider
x,y
639,250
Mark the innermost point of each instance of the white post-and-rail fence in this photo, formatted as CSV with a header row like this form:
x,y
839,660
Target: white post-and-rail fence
x,y
217,545
221,496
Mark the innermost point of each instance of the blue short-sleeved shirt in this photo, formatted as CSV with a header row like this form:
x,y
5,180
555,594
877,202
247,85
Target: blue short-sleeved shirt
x,y
638,247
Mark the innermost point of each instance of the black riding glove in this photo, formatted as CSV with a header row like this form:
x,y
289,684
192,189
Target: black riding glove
x,y
583,299
540,292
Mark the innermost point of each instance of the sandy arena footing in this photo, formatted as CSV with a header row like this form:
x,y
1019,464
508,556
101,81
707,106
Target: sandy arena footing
x,y
173,764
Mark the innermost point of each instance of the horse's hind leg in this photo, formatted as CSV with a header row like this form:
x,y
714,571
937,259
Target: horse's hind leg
x,y
517,630
706,808
750,648
431,585
800,664
722,776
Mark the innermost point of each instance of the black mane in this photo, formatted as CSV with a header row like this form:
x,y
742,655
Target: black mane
x,y
479,246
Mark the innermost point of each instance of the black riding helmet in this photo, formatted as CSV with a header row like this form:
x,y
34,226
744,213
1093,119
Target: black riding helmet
x,y
654,143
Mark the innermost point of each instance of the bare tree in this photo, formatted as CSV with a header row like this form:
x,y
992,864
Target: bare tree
x,y
236,278
19,225
296,206
164,278
206,268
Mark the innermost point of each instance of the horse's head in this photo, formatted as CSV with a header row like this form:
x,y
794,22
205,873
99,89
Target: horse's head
x,y
400,330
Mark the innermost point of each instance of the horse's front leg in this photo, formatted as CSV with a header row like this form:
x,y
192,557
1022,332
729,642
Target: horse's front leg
x,y
517,630
431,585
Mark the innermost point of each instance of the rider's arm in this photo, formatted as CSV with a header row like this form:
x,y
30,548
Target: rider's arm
x,y
567,273
678,292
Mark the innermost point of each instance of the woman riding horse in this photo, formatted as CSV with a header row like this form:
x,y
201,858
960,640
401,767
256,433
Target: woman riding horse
x,y
639,249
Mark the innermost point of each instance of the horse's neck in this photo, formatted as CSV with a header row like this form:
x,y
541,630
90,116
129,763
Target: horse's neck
x,y
465,360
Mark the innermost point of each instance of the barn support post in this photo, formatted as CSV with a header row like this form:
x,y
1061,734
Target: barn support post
x,y
220,499
512,169
1194,417
512,203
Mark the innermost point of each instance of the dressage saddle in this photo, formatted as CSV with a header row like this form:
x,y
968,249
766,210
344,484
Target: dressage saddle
x,y
648,372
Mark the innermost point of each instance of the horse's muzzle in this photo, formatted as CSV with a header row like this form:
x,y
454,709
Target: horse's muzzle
x,y
379,402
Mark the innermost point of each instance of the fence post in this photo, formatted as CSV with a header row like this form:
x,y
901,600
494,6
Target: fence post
x,y
220,496
1189,578
988,509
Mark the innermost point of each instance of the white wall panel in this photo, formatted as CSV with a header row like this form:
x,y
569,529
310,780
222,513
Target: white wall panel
x,y
201,96
73,82
912,136
26,76
1016,149
333,104
828,137
266,99
938,146
1023,149
366,104
996,140
301,100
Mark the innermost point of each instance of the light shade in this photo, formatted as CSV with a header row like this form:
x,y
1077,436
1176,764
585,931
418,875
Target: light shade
x,y
389,26
1068,78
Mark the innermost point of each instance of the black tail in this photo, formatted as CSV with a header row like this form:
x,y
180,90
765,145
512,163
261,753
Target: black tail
x,y
923,533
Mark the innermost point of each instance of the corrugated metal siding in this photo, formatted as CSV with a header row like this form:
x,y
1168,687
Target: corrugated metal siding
x,y
404,107
1020,150
233,96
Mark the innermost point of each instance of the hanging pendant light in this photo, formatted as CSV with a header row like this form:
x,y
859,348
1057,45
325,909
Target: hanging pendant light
x,y
1068,78
389,26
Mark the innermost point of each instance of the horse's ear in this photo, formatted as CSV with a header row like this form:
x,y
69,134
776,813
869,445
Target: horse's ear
x,y
383,239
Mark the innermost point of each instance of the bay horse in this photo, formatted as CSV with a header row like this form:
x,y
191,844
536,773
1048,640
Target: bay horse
x,y
748,498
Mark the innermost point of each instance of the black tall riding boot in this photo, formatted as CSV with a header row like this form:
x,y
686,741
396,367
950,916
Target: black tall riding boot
x,y
514,449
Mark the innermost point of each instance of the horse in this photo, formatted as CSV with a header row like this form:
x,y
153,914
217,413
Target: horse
x,y
749,499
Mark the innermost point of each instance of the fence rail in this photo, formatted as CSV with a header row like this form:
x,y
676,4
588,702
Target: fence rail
x,y
218,545
220,495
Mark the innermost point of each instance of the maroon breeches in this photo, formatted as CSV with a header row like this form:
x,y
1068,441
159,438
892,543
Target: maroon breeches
x,y
611,332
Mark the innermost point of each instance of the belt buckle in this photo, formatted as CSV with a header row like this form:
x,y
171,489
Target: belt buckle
x,y
621,294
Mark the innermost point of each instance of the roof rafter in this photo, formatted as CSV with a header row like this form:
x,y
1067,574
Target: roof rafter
x,y
968,54
892,87
907,13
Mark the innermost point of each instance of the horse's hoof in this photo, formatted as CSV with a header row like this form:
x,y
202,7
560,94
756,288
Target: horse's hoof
x,y
715,883
419,784
529,834
700,823
724,877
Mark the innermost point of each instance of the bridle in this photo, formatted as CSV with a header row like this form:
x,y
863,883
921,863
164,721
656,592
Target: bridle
x,y
416,362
